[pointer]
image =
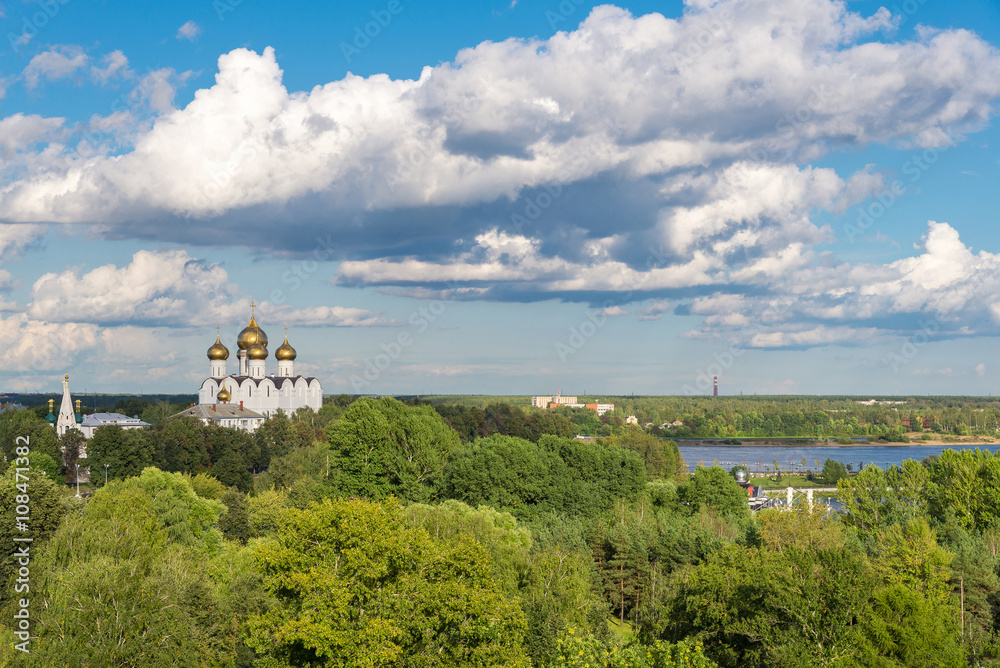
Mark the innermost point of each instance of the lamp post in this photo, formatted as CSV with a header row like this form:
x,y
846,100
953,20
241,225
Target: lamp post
x,y
77,480
106,474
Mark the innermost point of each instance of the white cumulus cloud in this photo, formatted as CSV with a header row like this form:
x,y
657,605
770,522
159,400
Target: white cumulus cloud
x,y
189,31
56,63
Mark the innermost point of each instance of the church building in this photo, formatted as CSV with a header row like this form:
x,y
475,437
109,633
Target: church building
x,y
251,388
68,418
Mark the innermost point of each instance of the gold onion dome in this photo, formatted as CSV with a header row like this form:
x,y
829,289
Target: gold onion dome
x,y
223,395
285,351
250,335
257,352
218,351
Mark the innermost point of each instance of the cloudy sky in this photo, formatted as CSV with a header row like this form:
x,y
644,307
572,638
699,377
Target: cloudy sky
x,y
798,196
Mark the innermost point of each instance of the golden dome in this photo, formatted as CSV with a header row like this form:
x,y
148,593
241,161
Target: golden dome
x,y
257,352
223,395
250,335
218,351
285,351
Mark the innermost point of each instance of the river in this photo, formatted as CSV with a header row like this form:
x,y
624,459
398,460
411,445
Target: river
x,y
756,457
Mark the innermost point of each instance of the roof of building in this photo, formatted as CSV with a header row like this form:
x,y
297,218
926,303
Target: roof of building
x,y
218,412
101,419
277,380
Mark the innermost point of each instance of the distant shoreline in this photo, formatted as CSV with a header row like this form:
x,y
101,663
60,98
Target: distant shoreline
x,y
820,444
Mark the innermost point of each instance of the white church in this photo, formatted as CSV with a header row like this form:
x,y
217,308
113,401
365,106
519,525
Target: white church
x,y
251,388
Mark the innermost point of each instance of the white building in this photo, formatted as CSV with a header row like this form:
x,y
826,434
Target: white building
x,y
72,419
230,416
94,420
569,402
251,388
68,418
86,424
558,399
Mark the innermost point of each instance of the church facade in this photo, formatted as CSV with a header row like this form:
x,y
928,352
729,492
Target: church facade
x,y
251,387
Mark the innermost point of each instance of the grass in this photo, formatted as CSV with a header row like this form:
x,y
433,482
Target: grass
x,y
85,487
624,632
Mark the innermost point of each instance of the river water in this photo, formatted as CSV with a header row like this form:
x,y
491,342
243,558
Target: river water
x,y
756,457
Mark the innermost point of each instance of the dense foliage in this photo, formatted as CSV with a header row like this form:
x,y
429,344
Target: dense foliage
x,y
727,417
472,422
359,586
382,533
384,448
555,475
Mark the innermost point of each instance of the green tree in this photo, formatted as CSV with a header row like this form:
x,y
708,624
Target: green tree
x,y
833,471
661,457
576,650
206,486
714,487
42,463
311,463
184,517
273,438
359,586
158,413
126,452
465,420
753,606
47,505
967,483
528,479
232,471
907,629
265,510
182,446
223,443
874,498
115,589
384,448
974,581
909,555
72,445
132,406
799,527
507,543
235,523
24,422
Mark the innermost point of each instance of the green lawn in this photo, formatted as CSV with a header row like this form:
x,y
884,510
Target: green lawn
x,y
624,631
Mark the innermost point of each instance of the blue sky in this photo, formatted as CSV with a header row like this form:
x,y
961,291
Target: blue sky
x,y
517,197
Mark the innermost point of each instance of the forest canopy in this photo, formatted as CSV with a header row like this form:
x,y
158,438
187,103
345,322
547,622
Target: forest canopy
x,y
379,532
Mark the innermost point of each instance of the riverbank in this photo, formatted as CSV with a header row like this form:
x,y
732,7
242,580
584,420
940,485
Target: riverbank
x,y
940,441
964,441
801,458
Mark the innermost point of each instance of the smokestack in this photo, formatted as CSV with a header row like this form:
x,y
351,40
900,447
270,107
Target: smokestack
x,y
241,405
715,386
